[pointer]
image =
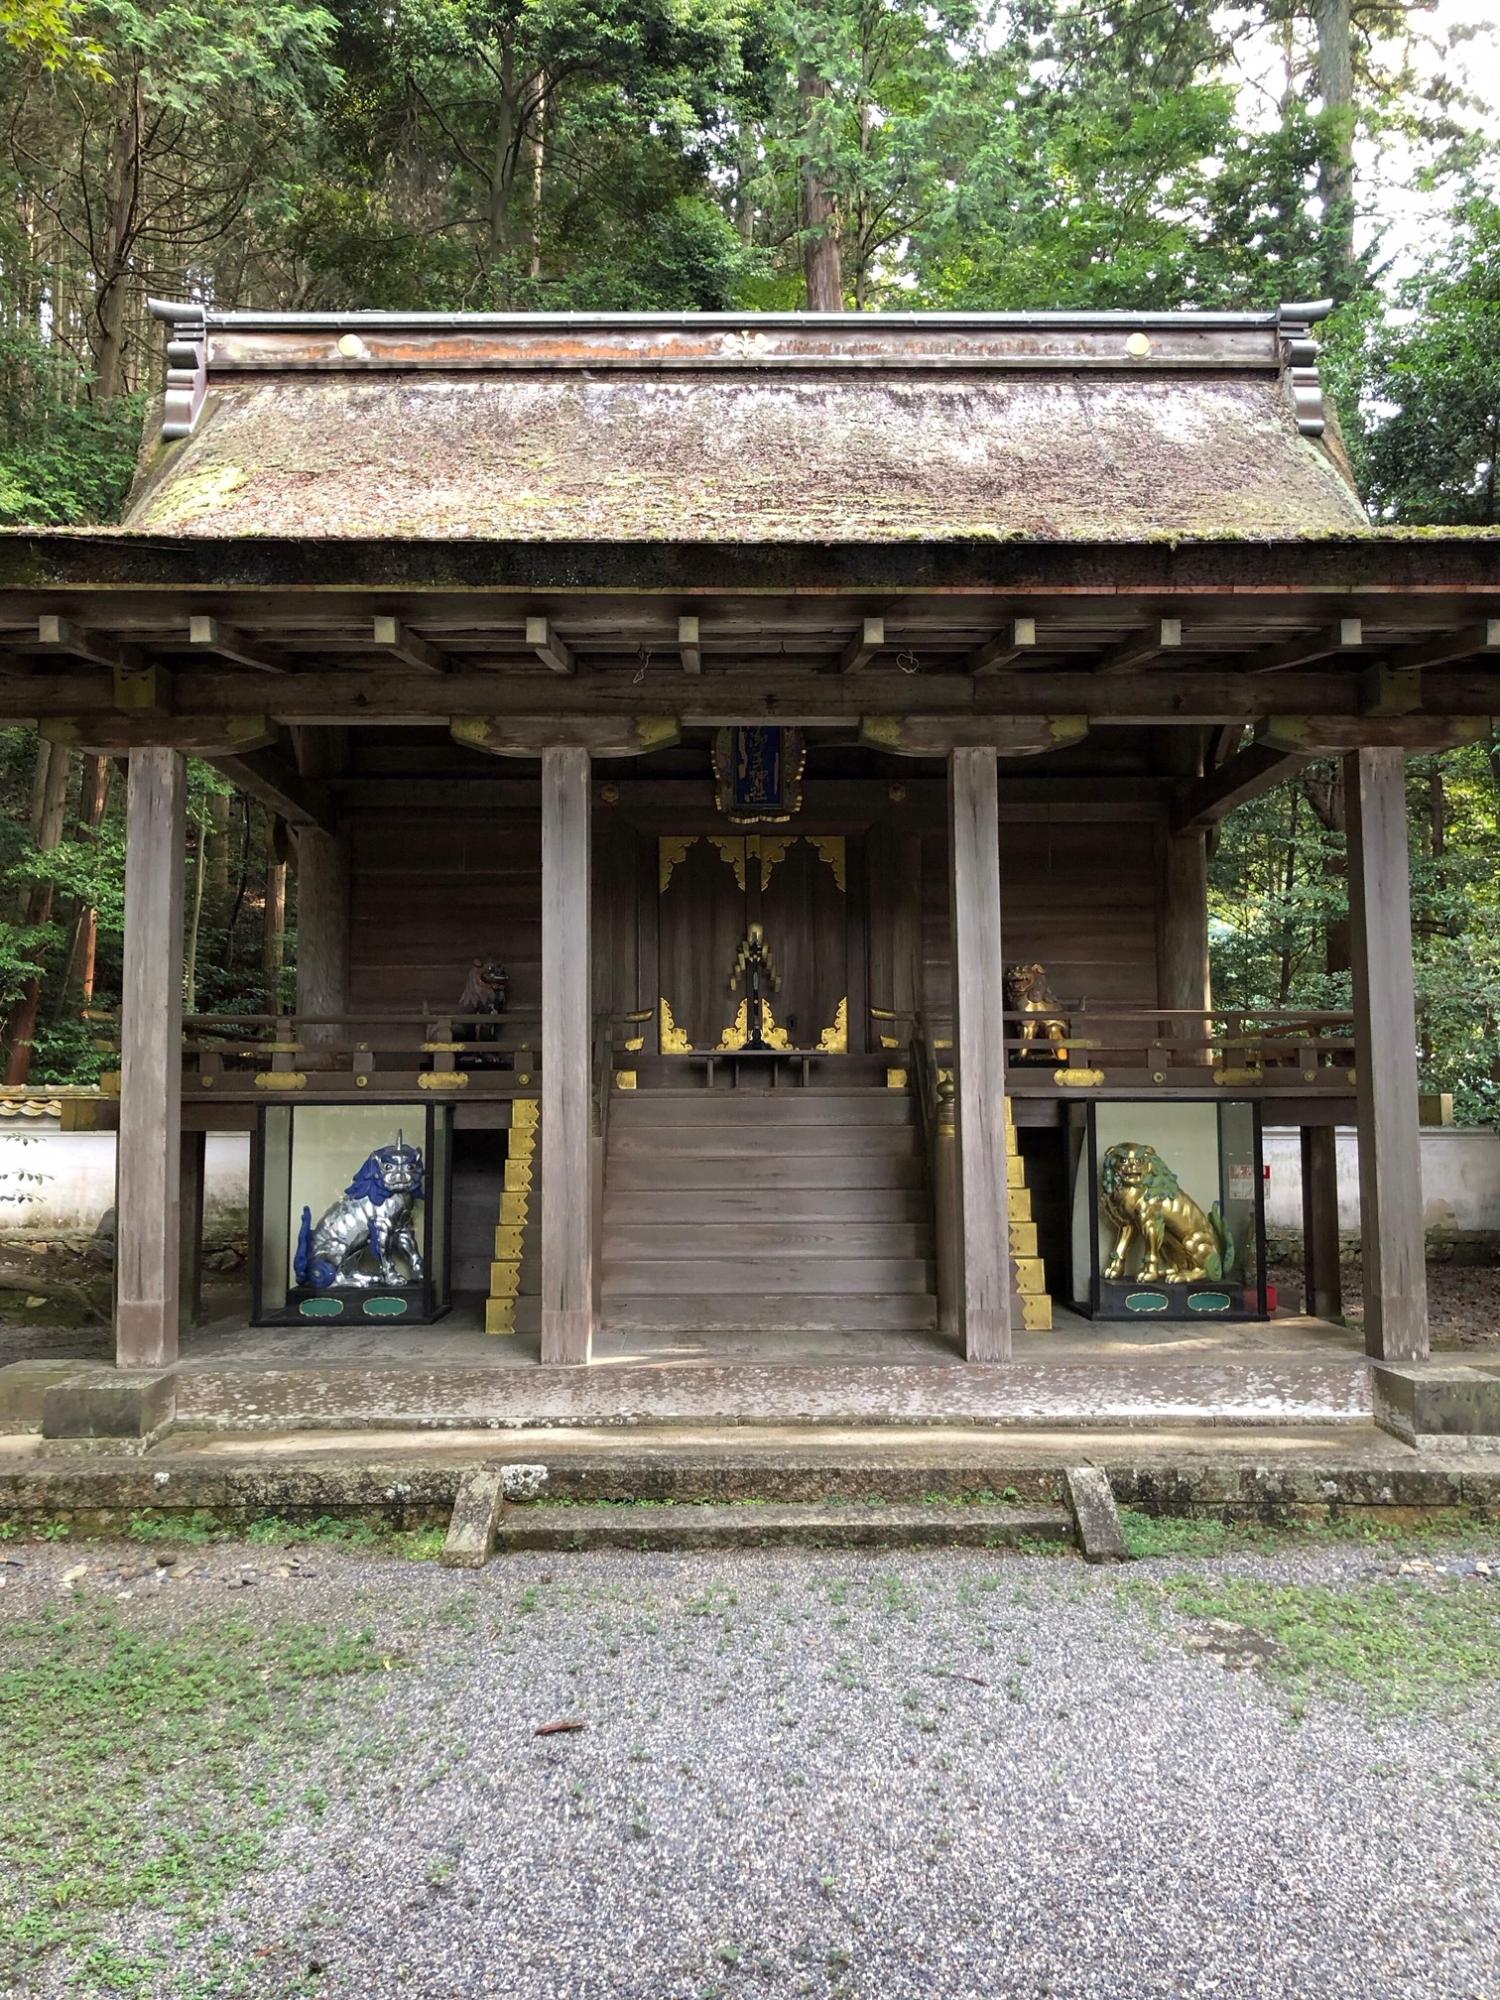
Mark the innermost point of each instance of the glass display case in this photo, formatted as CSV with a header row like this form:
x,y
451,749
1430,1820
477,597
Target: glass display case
x,y
1168,1209
350,1213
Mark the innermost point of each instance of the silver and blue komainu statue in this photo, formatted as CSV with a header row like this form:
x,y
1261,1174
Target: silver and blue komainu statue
x,y
373,1221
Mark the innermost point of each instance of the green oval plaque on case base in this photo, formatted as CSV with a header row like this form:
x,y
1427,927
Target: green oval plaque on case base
x,y
1147,1302
384,1308
1209,1302
321,1308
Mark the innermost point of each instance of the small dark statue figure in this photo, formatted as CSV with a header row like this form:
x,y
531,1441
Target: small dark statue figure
x,y
485,993
1044,1032
369,1224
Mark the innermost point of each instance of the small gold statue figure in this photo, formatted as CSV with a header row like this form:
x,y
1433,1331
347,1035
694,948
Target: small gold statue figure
x,y
1143,1198
755,969
1045,1032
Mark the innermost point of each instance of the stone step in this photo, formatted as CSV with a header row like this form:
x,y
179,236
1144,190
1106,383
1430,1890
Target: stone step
x,y
975,1525
718,1277
830,1312
788,1236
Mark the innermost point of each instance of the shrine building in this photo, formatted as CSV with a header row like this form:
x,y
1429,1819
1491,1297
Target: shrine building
x,y
751,783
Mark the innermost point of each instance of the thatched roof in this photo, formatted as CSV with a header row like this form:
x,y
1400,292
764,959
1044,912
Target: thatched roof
x,y
791,428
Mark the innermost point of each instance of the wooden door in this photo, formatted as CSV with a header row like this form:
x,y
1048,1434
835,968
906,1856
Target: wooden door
x,y
712,888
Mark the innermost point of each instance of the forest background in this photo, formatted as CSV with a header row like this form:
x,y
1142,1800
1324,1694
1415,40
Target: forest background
x,y
748,155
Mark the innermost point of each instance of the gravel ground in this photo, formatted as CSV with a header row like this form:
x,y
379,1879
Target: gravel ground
x,y
851,1777
1463,1303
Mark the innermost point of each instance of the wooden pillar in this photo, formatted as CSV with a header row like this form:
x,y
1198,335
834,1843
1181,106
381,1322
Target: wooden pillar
x,y
1322,1291
322,927
192,1174
1393,1241
1182,941
567,1035
148,1152
979,1043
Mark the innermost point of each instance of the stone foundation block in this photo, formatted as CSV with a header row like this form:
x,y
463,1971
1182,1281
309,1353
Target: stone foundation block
x,y
1100,1533
116,1403
1419,1403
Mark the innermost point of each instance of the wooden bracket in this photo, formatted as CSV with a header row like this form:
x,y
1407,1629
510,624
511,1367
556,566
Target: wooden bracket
x,y
1390,691
688,646
1331,735
212,736
549,649
1163,637
863,647
208,635
392,637
1344,635
936,735
1006,646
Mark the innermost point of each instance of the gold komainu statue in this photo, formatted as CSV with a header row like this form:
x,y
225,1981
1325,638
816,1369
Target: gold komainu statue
x,y
1044,1031
1143,1198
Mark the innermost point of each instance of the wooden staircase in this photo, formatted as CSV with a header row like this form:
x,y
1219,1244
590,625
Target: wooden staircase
x,y
800,1210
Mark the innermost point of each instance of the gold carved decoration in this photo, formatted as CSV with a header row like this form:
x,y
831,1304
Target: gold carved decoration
x,y
1228,1074
674,1040
634,1042
280,1079
732,854
625,1079
769,849
1078,1079
772,1035
834,1041
670,849
831,848
737,1033
443,1079
895,1079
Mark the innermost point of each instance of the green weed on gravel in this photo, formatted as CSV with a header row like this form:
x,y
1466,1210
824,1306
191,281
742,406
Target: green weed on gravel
x,y
142,1771
1395,1646
1205,1535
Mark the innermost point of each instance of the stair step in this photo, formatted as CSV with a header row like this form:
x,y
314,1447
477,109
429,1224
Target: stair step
x,y
829,1312
785,1237
772,1107
760,1170
753,1205
692,1142
772,1276
651,1525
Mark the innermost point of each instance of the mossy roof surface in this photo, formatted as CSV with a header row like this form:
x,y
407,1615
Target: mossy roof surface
x,y
712,458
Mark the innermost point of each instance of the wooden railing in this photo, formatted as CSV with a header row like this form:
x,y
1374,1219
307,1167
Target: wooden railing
x,y
1263,1052
261,1056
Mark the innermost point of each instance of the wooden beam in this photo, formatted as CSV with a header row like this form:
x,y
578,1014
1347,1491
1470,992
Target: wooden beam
x,y
392,637
567,1059
688,646
979,1042
55,634
549,649
211,635
1006,645
1202,698
148,1149
1344,635
1164,636
863,647
935,736
1462,643
1331,735
323,907
1255,769
1391,1226
112,734
280,788
600,736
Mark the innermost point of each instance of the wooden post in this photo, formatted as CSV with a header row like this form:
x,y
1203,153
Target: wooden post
x,y
567,1053
1392,1237
322,928
1182,945
192,1173
1322,1289
979,1042
148,1152
948,1234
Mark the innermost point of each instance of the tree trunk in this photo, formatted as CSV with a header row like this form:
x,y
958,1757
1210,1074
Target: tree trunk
x,y
93,797
273,935
113,268
218,843
195,921
48,828
821,261
1333,20
537,147
1288,883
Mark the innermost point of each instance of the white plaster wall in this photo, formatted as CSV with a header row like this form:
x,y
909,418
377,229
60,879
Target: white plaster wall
x,y
1460,1180
78,1184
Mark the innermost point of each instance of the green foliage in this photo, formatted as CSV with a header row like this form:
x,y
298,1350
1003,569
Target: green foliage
x,y
62,460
